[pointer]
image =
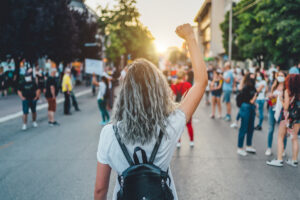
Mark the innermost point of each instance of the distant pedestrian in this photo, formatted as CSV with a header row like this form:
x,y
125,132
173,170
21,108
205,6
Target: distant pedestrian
x,y
247,115
102,98
2,77
216,92
29,94
210,78
10,79
180,89
66,89
227,89
274,97
51,91
40,78
290,122
190,74
147,118
261,88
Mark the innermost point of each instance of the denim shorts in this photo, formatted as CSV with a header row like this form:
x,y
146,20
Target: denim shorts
x,y
26,104
226,96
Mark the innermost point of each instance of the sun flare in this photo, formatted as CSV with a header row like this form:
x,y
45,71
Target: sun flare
x,y
160,47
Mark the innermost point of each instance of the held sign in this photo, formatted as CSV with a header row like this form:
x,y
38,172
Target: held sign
x,y
93,66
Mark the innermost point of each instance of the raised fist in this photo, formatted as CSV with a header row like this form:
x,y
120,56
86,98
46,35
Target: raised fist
x,y
185,31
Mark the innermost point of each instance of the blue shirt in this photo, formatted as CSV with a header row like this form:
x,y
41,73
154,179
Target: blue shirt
x,y
228,86
294,70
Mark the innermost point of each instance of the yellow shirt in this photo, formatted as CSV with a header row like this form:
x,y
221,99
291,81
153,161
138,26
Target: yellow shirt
x,y
66,83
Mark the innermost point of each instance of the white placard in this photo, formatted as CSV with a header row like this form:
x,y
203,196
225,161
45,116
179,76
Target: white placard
x,y
93,66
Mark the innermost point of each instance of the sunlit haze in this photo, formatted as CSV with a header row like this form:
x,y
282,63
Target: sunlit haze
x,y
162,17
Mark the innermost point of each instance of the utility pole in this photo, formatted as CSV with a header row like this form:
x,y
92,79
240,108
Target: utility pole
x,y
230,34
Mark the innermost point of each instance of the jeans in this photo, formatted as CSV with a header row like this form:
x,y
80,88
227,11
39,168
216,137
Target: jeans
x,y
226,96
247,114
261,104
104,112
67,103
272,123
74,101
26,104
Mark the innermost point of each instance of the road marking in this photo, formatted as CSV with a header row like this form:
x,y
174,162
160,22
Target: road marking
x,y
6,145
40,107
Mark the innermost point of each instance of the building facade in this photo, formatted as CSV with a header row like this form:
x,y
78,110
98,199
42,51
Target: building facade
x,y
209,17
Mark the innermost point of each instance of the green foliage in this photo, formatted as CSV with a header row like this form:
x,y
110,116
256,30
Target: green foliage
x,y
32,29
176,56
125,33
267,31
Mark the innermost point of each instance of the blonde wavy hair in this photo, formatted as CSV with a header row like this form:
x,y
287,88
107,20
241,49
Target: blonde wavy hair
x,y
144,103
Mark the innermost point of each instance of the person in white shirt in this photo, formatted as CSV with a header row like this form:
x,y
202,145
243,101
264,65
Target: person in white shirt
x,y
261,87
102,98
144,108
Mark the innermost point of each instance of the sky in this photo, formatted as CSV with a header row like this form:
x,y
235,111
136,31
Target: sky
x,y
162,17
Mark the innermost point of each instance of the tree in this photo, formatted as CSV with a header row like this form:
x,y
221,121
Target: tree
x,y
265,31
176,56
63,36
280,30
126,34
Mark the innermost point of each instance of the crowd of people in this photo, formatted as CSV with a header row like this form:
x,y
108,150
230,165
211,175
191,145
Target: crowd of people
x,y
33,83
254,91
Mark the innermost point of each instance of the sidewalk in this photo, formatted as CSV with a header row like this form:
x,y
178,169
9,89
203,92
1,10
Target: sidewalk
x,y
11,107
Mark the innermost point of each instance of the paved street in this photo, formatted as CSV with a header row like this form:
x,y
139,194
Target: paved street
x,y
59,163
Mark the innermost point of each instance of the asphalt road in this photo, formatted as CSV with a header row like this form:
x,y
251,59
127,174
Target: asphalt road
x,y
59,163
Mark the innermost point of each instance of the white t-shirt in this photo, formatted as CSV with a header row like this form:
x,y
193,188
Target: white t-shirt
x,y
102,90
109,78
109,151
261,95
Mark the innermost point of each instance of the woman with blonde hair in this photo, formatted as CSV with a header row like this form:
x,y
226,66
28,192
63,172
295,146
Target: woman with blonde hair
x,y
146,118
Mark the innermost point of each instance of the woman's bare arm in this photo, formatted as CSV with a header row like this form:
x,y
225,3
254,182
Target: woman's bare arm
x,y
102,181
193,97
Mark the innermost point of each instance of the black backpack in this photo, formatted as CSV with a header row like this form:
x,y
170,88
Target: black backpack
x,y
143,181
179,94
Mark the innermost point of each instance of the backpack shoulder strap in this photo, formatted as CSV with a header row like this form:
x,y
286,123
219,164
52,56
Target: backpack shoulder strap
x,y
123,147
155,149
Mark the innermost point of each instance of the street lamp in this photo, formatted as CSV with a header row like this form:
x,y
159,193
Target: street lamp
x,y
230,34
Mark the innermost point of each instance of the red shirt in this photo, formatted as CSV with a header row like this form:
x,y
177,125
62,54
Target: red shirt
x,y
182,87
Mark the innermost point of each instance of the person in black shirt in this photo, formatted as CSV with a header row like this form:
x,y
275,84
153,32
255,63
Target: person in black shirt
x,y
51,92
247,114
29,94
1,81
9,78
40,78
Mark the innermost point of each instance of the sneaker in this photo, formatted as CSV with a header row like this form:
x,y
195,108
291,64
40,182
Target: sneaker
x,y
227,118
50,123
34,124
241,152
275,163
178,145
77,110
233,125
219,117
258,128
24,127
268,152
212,116
250,150
293,163
103,123
191,144
55,123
